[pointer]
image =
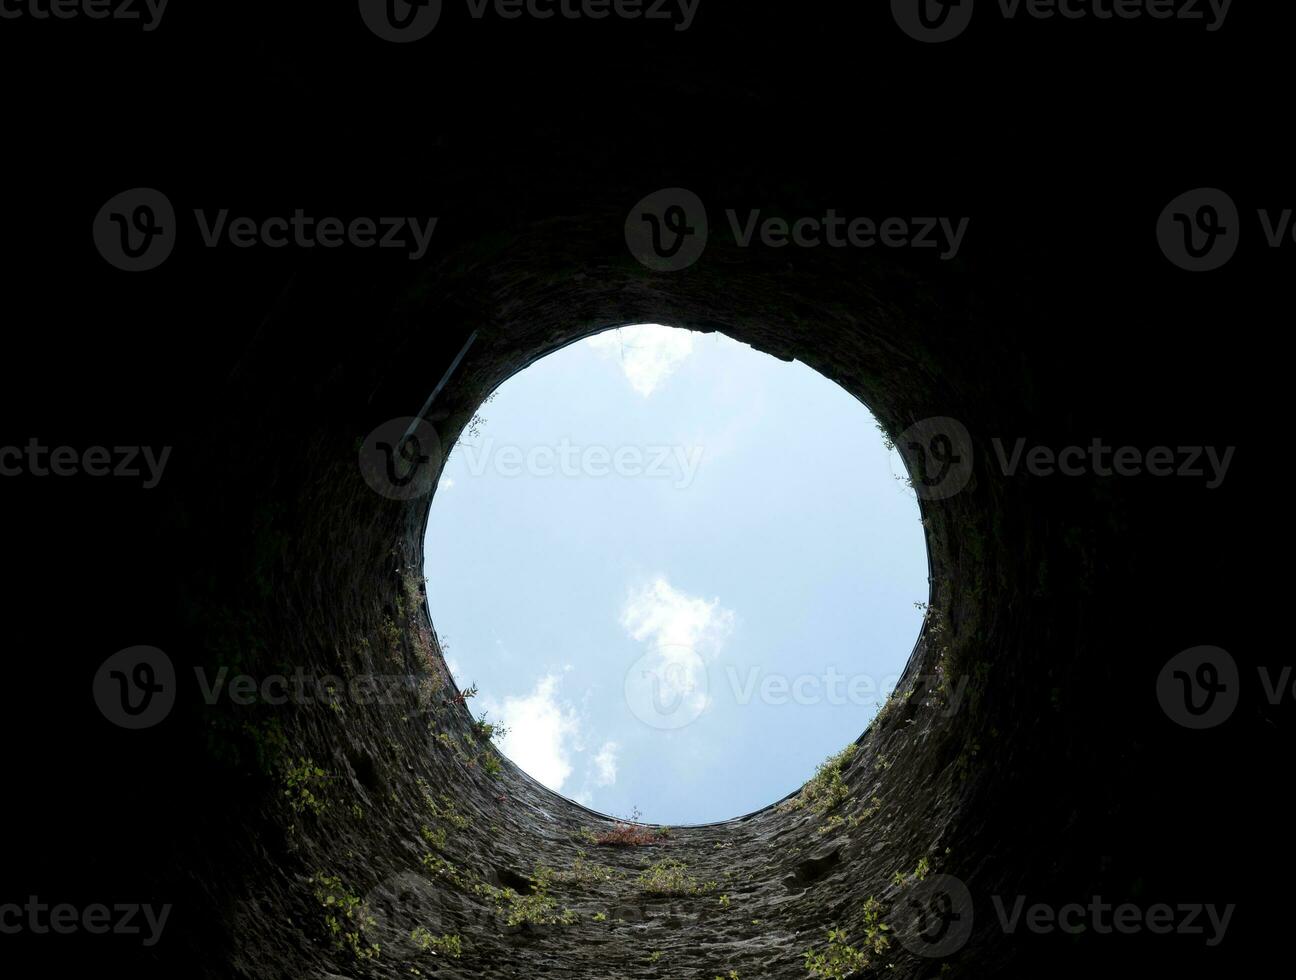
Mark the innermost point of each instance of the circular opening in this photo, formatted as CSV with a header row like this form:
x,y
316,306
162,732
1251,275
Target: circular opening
x,y
679,573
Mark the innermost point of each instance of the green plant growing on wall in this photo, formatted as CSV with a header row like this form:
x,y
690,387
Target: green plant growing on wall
x,y
582,873
838,961
437,838
413,586
486,730
924,866
671,877
831,824
447,945
462,696
443,809
391,635
874,806
875,930
536,909
428,688
345,916
827,789
304,786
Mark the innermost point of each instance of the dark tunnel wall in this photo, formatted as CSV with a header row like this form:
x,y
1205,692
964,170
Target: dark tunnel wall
x,y
1056,602
1025,580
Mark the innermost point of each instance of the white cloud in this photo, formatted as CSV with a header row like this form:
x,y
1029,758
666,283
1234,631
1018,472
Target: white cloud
x,y
542,733
649,353
605,764
681,633
661,614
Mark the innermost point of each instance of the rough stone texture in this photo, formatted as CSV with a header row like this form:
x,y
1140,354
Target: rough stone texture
x,y
786,882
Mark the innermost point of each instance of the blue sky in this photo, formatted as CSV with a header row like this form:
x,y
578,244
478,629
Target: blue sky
x,y
681,571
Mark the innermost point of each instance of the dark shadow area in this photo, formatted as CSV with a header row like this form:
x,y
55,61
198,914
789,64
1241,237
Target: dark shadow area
x,y
1026,753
